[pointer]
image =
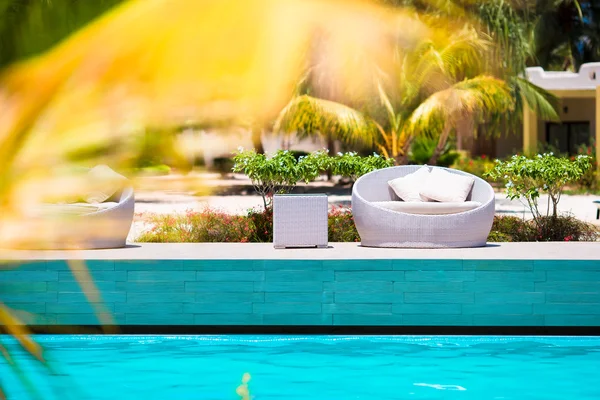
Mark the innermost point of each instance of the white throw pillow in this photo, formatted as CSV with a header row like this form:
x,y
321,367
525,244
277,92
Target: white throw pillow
x,y
409,186
446,186
104,183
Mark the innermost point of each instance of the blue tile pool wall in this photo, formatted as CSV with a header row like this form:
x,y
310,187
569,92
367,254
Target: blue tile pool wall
x,y
311,292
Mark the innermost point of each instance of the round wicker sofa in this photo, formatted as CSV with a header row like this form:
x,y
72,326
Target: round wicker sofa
x,y
105,228
381,227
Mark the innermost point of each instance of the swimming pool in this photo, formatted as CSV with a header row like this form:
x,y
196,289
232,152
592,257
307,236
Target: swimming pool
x,y
314,367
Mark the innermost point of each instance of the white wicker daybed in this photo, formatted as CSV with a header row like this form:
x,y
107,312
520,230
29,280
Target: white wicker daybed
x,y
382,227
78,226
100,220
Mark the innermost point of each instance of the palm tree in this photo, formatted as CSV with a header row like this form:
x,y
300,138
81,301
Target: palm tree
x,y
307,115
482,98
510,50
511,30
29,27
433,91
566,33
554,34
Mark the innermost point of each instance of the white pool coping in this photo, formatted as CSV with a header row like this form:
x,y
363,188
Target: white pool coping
x,y
335,251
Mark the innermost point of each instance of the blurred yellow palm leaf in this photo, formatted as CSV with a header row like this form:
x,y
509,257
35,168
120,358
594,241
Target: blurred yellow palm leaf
x,y
167,63
159,62
164,63
92,295
12,325
17,328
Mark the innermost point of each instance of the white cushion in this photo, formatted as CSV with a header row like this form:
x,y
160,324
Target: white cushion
x,y
447,187
428,208
104,184
409,186
72,209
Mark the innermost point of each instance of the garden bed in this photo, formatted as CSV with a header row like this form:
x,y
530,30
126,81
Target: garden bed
x,y
257,227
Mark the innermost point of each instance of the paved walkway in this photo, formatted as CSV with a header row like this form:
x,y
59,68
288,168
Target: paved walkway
x,y
163,203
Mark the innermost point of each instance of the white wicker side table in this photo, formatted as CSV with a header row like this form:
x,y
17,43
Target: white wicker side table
x,y
299,220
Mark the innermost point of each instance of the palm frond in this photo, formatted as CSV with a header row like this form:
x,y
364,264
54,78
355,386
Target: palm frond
x,y
539,100
92,294
387,104
509,31
17,328
435,65
482,96
210,62
12,325
306,115
578,8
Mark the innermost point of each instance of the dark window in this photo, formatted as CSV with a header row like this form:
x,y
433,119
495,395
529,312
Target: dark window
x,y
568,136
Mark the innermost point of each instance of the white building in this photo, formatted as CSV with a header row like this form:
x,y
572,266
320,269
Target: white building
x,y
579,111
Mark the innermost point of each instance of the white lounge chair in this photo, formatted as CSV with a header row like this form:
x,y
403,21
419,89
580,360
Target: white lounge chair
x,y
102,223
379,226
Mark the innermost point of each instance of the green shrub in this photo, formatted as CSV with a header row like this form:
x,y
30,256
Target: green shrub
x,y
257,226
281,172
262,225
269,176
590,181
199,161
511,229
561,228
299,153
215,226
222,165
526,178
196,227
423,147
497,237
341,226
447,159
566,228
477,166
313,165
353,166
156,147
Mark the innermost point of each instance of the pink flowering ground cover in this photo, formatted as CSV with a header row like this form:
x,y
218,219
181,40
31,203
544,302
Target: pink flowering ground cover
x,y
212,225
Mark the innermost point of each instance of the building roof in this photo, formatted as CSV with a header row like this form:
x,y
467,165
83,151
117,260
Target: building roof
x,y
587,78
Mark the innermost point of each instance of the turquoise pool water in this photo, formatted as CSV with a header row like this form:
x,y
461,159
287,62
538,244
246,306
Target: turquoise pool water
x,y
313,367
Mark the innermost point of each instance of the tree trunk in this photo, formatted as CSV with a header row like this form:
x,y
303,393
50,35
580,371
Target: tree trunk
x,y
331,148
465,134
330,144
440,146
256,131
484,144
402,159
